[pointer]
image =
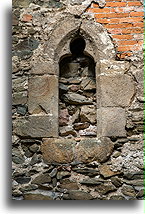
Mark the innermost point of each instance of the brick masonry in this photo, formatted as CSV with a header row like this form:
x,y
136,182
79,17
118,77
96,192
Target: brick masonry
x,y
124,22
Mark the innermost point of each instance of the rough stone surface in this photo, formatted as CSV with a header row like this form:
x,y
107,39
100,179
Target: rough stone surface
x,y
111,122
76,99
92,149
116,90
58,150
43,96
106,172
79,195
36,126
88,114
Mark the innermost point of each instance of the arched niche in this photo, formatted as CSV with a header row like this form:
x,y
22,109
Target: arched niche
x,y
98,42
77,92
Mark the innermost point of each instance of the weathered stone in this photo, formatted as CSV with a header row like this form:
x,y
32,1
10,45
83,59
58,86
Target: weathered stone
x,y
92,181
92,149
58,150
90,131
115,91
132,153
22,3
25,48
88,84
63,174
105,188
128,190
136,182
134,175
53,173
35,159
18,159
76,99
23,180
42,179
70,186
28,188
22,110
79,195
15,20
88,114
140,193
116,181
114,67
38,195
106,172
16,193
55,4
43,96
44,67
54,182
111,122
63,117
62,89
87,171
34,148
19,98
36,126
67,130
117,197
75,116
80,126
45,187
74,88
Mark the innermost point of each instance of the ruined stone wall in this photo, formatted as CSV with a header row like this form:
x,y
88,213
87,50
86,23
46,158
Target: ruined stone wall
x,y
77,119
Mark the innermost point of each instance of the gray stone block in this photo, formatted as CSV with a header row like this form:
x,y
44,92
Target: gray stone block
x,y
36,126
58,150
111,122
43,95
115,90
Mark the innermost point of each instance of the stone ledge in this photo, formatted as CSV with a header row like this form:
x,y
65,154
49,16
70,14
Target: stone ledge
x,y
83,150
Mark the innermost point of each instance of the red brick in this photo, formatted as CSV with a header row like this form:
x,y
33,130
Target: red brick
x,y
129,42
139,24
101,15
103,21
132,30
115,4
122,36
117,15
131,19
134,3
125,25
136,13
98,10
125,48
27,18
115,31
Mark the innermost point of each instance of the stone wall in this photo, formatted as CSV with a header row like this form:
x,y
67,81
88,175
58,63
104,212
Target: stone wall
x,y
77,115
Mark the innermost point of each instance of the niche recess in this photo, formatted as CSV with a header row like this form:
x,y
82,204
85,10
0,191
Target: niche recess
x,y
77,92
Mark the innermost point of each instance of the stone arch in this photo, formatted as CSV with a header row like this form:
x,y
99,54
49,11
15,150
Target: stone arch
x,y
98,42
